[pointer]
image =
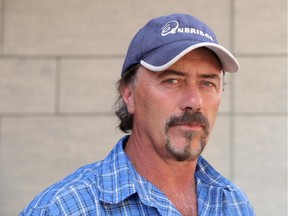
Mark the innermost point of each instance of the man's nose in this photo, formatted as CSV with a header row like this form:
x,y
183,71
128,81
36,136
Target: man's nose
x,y
192,99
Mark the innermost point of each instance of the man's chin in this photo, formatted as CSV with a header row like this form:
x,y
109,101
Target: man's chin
x,y
185,151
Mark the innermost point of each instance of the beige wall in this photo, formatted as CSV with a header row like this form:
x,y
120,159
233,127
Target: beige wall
x,y
59,61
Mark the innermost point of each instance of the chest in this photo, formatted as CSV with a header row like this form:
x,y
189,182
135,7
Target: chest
x,y
185,203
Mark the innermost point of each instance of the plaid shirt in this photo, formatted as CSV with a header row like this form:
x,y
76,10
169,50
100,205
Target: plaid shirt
x,y
113,187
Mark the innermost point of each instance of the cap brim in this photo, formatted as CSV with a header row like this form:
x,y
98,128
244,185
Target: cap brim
x,y
166,56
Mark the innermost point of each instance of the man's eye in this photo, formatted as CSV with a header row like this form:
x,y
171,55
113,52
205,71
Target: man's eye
x,y
208,84
171,81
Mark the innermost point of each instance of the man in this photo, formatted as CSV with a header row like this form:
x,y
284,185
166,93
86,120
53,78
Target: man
x,y
170,91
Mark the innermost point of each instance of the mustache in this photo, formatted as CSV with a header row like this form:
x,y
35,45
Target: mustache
x,y
189,117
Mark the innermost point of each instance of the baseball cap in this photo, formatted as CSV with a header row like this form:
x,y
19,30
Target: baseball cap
x,y
166,39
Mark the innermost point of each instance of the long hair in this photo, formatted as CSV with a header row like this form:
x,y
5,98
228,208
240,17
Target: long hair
x,y
126,119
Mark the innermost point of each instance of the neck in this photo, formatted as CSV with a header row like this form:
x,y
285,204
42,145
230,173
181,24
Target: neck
x,y
175,179
162,172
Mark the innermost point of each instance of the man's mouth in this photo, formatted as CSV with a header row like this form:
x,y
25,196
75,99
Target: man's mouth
x,y
190,126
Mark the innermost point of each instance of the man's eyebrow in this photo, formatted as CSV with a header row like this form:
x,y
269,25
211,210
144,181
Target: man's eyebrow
x,y
183,74
171,72
210,76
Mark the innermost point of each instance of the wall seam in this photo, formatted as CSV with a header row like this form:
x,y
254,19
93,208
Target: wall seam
x,y
121,57
232,96
2,27
57,85
2,31
63,56
1,136
99,113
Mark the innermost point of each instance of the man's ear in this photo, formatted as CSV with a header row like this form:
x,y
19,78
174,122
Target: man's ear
x,y
127,95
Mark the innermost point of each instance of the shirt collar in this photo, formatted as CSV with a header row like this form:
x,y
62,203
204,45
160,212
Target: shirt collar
x,y
116,182
119,179
207,175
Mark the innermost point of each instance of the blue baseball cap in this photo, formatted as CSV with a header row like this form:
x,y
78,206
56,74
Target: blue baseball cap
x,y
166,39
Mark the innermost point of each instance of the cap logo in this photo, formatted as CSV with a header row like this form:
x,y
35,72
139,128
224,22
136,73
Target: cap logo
x,y
172,27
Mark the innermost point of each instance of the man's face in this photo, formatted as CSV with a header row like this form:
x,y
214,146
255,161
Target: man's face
x,y
174,110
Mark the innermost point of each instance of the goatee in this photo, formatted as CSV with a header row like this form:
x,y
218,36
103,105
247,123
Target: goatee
x,y
188,118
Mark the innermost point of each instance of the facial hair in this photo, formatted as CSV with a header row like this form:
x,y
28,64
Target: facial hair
x,y
188,118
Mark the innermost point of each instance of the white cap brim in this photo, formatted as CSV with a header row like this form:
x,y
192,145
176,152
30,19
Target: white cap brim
x,y
228,61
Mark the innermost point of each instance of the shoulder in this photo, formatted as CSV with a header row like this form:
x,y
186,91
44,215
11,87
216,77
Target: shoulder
x,y
80,191
78,188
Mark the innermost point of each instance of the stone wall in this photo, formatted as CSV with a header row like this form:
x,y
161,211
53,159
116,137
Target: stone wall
x,y
59,61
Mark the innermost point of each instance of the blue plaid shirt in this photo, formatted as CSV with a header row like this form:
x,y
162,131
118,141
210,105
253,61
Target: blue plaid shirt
x,y
113,187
